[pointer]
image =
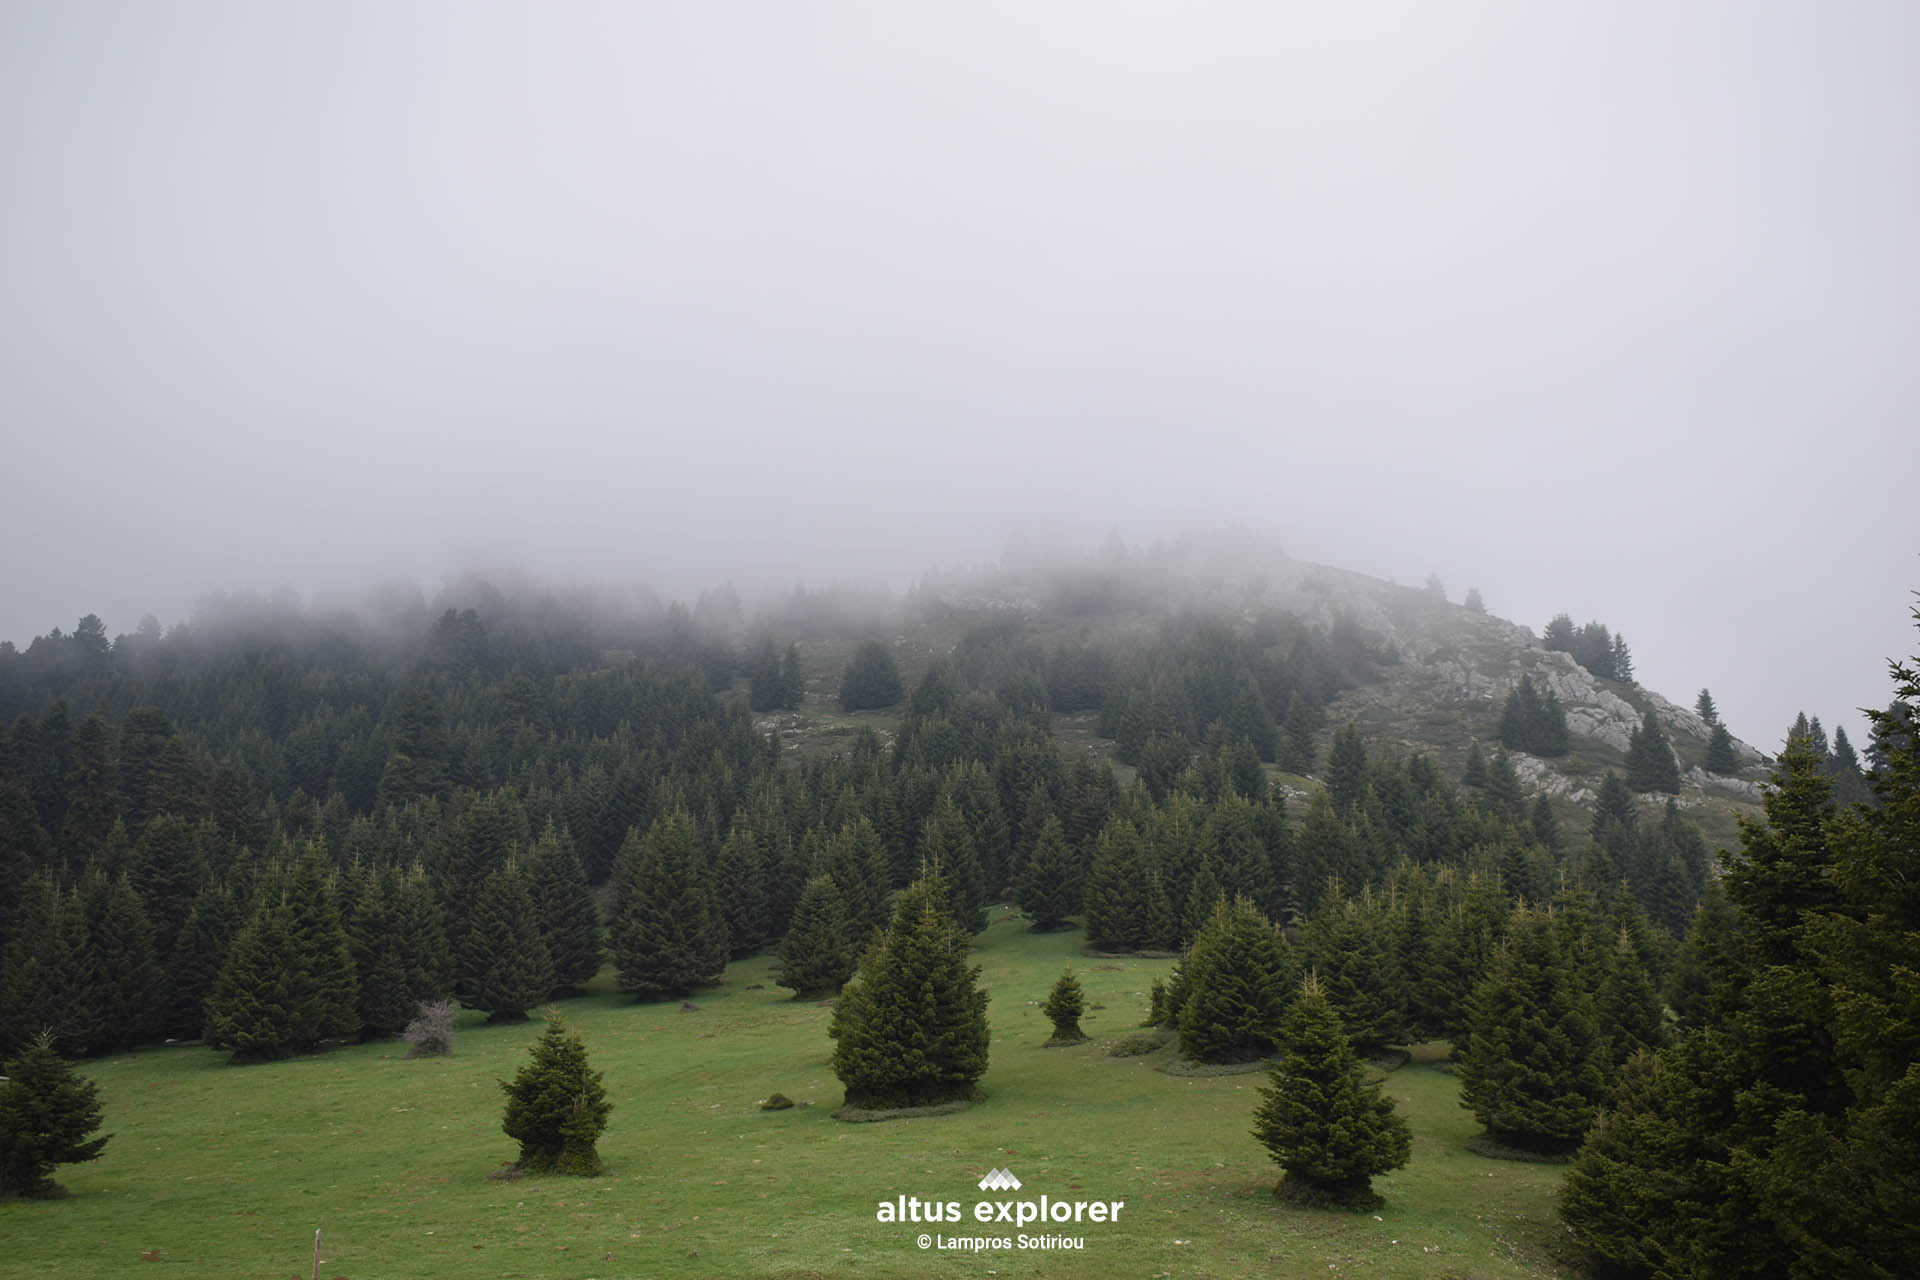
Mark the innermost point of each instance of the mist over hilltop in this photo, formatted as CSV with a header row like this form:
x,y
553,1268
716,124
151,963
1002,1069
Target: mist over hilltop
x,y
1598,313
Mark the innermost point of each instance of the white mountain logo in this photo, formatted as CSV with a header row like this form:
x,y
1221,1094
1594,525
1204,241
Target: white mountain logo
x,y
999,1180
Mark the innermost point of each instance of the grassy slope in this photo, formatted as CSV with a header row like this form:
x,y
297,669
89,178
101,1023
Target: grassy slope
x,y
227,1171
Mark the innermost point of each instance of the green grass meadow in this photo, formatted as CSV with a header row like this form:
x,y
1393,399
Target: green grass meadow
x,y
227,1171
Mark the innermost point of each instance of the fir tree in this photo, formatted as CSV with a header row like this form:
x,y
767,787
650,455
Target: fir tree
x,y
256,1008
793,681
49,981
1545,828
1475,774
1473,603
1238,980
1720,755
740,889
375,941
911,1030
1532,723
817,956
667,939
1626,1010
1117,899
1346,770
871,680
1328,1126
857,862
765,692
1346,944
504,968
123,962
1064,1006
1704,706
1503,786
557,1105
1531,1072
199,949
564,911
48,1116
1050,886
1650,762
949,841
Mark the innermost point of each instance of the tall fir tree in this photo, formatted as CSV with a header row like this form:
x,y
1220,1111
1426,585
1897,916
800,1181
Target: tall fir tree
x,y
503,967
564,912
667,938
1117,898
1650,762
1347,943
1327,1125
818,955
1532,1072
1346,770
912,1029
1050,882
740,891
1238,980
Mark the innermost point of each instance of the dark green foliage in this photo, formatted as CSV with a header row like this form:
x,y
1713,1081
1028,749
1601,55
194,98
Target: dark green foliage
x,y
557,1106
564,911
871,680
1626,1009
766,691
123,961
1347,944
378,945
1346,770
911,1030
1162,760
1545,828
1118,897
1503,787
1705,707
1532,1069
1775,1136
949,841
857,862
1063,1007
740,889
1651,765
503,967
1532,723
1238,980
288,981
667,938
1475,773
1050,886
1322,1120
1619,1198
47,1118
818,954
49,982
199,949
793,681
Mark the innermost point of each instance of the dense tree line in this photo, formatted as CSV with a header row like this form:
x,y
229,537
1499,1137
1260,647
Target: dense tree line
x,y
402,819
1774,1135
1593,646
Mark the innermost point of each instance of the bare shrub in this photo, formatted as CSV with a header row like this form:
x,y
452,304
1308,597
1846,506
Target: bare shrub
x,y
431,1032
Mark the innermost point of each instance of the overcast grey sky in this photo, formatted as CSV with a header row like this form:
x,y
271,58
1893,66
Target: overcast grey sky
x,y
1603,307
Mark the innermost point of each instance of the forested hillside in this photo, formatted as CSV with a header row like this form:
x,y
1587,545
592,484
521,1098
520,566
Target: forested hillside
x,y
186,813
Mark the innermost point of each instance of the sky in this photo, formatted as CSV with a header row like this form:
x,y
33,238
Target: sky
x,y
1604,308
